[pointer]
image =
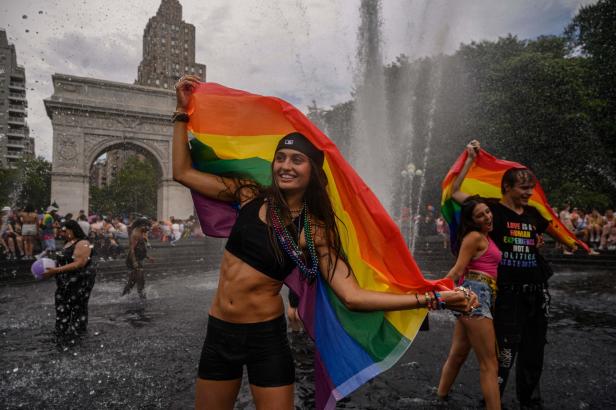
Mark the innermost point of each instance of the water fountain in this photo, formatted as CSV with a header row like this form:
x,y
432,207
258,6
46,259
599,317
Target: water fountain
x,y
371,151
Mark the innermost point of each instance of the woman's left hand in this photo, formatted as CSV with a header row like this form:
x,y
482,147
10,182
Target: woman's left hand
x,y
460,299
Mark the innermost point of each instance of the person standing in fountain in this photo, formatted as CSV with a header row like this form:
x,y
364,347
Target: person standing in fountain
x,y
476,267
137,253
75,276
520,314
290,223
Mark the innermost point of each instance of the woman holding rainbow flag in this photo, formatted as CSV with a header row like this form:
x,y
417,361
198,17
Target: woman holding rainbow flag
x,y
278,228
476,268
520,215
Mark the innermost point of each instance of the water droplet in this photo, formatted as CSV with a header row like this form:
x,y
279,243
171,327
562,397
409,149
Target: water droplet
x,y
40,12
15,369
91,392
25,16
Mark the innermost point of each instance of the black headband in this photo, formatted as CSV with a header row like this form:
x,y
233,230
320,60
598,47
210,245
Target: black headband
x,y
300,143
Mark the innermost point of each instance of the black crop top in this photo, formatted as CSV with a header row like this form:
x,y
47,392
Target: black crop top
x,y
249,240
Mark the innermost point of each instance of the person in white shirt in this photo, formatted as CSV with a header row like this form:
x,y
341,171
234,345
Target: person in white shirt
x,y
82,220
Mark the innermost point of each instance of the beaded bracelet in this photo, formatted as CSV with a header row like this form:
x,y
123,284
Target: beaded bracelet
x,y
429,301
439,300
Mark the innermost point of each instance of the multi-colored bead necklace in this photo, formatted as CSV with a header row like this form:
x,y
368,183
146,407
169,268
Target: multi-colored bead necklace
x,y
291,247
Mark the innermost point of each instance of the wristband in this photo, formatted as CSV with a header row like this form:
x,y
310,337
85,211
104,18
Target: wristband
x,y
439,300
180,116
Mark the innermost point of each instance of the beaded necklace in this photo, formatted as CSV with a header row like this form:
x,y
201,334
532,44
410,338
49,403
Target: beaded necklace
x,y
291,247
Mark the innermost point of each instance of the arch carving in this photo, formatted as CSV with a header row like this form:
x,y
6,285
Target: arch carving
x,y
105,144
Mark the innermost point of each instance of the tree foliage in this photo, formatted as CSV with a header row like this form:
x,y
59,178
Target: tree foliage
x,y
28,183
548,103
133,190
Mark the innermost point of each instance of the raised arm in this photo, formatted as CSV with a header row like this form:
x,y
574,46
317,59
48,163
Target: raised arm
x,y
472,148
345,286
209,185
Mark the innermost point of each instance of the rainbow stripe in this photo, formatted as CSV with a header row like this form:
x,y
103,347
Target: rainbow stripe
x,y
233,132
484,179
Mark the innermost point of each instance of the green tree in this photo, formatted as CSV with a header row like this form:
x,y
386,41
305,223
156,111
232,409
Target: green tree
x,y
592,36
133,190
28,183
8,184
35,182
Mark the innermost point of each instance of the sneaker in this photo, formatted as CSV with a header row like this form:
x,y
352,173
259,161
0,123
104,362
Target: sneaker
x,y
593,252
567,252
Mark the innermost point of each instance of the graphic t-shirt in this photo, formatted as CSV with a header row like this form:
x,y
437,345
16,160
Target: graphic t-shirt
x,y
516,237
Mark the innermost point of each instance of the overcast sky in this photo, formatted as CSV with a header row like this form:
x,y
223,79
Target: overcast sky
x,y
299,50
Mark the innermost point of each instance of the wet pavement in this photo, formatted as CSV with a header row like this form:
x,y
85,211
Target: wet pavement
x,y
144,354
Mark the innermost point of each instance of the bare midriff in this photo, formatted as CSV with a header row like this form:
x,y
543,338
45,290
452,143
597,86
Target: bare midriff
x,y
244,294
28,217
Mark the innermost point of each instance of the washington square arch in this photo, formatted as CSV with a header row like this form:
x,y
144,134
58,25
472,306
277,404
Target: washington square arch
x,y
91,117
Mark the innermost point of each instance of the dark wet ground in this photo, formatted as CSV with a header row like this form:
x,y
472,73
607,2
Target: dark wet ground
x,y
145,354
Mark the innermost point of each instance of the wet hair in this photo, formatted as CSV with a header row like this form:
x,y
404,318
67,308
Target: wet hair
x,y
318,203
467,224
75,228
82,217
517,175
29,208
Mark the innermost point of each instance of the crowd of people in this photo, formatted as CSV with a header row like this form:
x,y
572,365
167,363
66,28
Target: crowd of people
x,y
501,301
26,233
596,228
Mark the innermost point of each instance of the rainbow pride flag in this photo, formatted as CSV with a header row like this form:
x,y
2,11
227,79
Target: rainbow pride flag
x,y
484,179
235,133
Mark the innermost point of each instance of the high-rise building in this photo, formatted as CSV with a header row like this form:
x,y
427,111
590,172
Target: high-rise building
x,y
106,169
168,48
15,141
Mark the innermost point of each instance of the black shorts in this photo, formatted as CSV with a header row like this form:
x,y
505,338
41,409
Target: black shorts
x,y
263,347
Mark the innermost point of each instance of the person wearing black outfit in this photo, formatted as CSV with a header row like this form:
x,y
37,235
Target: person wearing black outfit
x,y
288,224
137,253
521,316
75,276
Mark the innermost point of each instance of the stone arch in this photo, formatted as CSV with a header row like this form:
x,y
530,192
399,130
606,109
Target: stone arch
x,y
150,151
91,116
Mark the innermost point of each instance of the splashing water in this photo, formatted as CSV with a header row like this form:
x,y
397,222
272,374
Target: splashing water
x,y
370,150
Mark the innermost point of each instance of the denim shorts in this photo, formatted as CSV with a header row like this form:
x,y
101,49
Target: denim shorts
x,y
484,297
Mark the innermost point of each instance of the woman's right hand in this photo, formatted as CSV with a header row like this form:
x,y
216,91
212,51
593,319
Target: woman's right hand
x,y
459,300
473,149
183,90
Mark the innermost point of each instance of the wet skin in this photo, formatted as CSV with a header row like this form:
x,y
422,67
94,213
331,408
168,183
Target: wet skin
x,y
244,294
